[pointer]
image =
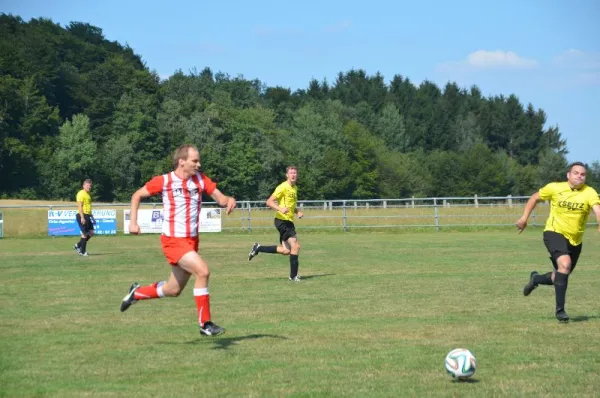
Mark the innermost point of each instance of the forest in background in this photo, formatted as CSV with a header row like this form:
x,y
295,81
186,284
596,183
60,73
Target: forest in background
x,y
74,105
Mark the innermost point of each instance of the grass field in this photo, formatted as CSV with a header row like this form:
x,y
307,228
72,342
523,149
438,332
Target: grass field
x,y
375,316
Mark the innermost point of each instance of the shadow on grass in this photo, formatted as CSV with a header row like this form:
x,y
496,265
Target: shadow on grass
x,y
467,381
302,276
314,276
223,343
582,318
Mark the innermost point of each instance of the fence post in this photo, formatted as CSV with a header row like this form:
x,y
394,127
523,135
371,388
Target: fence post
x,y
412,202
509,200
249,217
344,217
435,213
476,201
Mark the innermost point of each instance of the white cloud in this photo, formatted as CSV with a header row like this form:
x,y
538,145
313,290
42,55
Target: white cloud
x,y
483,59
576,59
576,68
499,59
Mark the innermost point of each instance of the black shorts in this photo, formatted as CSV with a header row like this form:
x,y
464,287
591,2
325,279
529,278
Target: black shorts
x,y
558,245
286,229
87,225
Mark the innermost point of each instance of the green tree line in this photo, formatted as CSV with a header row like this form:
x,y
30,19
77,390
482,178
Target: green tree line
x,y
74,105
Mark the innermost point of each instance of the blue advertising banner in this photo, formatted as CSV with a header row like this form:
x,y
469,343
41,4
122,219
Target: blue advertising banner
x,y
64,223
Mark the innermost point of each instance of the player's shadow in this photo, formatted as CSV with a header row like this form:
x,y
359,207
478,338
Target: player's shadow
x,y
302,276
223,343
582,318
314,276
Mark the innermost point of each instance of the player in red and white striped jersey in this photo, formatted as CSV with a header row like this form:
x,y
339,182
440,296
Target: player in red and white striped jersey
x,y
181,191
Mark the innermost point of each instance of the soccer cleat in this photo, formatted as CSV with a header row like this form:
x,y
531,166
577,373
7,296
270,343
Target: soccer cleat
x,y
562,316
129,299
530,286
76,248
210,329
84,254
254,252
297,278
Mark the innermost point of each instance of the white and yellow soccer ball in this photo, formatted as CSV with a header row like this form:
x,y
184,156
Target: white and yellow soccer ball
x,y
461,363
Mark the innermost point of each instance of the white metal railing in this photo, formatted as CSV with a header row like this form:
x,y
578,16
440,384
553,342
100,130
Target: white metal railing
x,y
347,214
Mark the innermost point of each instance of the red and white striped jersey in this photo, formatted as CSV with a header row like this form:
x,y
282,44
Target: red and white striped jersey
x,y
182,200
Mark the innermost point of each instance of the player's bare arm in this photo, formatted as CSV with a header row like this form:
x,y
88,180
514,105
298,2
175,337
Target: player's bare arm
x,y
531,203
228,202
596,209
136,198
272,203
80,210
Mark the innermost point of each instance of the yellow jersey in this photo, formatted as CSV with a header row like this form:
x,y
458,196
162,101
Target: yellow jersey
x,y
287,196
83,196
569,209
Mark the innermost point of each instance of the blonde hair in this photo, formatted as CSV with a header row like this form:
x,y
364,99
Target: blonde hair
x,y
182,153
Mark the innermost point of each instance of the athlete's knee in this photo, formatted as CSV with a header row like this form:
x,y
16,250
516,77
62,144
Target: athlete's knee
x,y
202,272
565,269
284,250
563,262
172,290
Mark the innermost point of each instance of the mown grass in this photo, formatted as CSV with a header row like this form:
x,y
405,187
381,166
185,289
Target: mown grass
x,y
375,316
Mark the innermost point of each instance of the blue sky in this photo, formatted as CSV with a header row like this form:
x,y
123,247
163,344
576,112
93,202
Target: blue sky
x,y
545,52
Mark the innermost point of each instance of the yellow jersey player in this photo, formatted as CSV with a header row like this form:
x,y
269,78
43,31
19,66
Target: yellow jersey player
x,y
284,201
570,206
85,220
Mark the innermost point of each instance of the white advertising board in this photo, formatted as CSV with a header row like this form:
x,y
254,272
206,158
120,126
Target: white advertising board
x,y
150,220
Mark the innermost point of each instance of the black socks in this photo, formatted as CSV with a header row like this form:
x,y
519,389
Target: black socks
x,y
267,249
545,279
560,289
294,265
82,244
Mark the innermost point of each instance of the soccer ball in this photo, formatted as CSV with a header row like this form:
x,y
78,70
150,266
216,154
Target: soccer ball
x,y
461,363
